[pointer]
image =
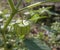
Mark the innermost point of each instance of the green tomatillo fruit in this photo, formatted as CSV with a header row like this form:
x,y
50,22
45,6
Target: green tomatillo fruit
x,y
22,28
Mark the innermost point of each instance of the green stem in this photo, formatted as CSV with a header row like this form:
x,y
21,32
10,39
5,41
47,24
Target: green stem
x,y
4,39
21,16
3,31
8,21
11,4
19,2
22,9
31,6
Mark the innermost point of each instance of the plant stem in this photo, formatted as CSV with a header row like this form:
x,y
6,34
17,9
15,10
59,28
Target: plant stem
x,y
4,39
11,15
4,29
8,21
31,6
19,2
11,4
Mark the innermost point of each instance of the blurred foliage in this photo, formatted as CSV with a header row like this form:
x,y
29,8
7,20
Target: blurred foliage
x,y
56,26
28,1
36,44
53,0
18,33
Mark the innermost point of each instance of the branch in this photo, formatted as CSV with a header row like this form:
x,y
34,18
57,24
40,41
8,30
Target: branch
x,y
31,6
14,11
11,4
8,21
18,4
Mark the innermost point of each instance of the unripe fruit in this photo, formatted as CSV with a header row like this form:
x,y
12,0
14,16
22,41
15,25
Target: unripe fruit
x,y
23,28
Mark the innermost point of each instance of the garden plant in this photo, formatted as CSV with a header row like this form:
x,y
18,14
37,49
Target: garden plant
x,y
21,32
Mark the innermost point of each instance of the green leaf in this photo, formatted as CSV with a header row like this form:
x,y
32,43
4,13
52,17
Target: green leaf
x,y
44,10
35,17
36,44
